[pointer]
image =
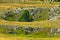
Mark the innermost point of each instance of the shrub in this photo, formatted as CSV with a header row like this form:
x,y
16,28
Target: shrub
x,y
10,16
25,16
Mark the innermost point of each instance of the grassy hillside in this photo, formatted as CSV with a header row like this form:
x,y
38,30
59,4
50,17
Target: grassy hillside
x,y
42,35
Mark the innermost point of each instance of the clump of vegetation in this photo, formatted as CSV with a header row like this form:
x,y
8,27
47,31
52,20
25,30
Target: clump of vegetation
x,y
25,16
10,16
29,31
29,15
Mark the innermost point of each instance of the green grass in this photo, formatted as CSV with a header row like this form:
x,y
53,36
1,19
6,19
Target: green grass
x,y
42,24
37,36
6,37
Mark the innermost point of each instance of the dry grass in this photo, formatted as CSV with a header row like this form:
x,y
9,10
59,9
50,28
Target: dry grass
x,y
16,5
4,37
48,24
27,5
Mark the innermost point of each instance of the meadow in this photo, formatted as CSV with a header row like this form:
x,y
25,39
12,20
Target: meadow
x,y
40,36
34,24
47,24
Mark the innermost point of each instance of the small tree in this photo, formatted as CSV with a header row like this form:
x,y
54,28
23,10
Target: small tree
x,y
25,16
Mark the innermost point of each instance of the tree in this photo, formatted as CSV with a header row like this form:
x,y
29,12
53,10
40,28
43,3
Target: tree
x,y
25,16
